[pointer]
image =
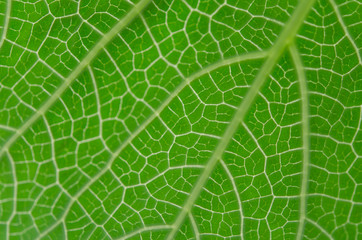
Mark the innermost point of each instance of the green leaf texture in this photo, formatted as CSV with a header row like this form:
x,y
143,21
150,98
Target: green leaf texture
x,y
180,119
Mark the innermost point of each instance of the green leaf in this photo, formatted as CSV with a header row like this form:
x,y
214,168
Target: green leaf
x,y
180,119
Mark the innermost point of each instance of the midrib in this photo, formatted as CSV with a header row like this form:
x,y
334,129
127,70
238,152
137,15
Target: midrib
x,y
305,136
286,37
155,114
78,70
6,23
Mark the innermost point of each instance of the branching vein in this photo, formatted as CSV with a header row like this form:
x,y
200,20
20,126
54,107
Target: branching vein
x,y
286,37
305,137
78,70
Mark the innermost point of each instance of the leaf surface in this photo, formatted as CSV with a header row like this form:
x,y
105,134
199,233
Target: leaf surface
x,y
180,119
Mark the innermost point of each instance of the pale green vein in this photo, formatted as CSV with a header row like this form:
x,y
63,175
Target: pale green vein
x,y
235,188
320,228
78,70
286,37
6,23
8,128
194,227
305,136
155,114
145,229
15,191
345,29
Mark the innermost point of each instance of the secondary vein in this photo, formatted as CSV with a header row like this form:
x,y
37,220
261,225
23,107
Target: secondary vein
x,y
6,23
345,29
305,137
286,37
78,70
156,113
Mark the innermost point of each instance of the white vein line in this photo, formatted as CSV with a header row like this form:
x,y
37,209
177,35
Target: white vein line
x,y
355,135
78,70
6,23
148,29
194,226
15,196
160,227
286,37
11,129
99,105
256,142
52,145
223,164
320,228
348,35
305,136
186,82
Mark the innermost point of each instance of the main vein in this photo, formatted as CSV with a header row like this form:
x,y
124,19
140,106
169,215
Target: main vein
x,y
78,70
345,29
155,114
6,22
305,136
286,37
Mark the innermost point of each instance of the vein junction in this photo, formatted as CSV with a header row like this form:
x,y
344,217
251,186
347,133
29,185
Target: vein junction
x,y
286,38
